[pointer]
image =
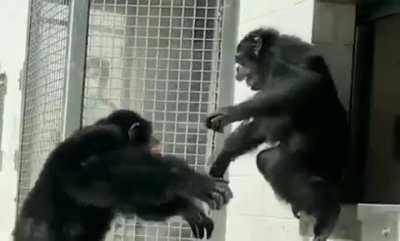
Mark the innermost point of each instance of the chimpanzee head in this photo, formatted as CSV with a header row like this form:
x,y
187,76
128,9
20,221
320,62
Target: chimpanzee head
x,y
253,55
138,129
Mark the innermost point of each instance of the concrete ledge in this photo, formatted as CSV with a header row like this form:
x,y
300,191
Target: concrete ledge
x,y
348,226
362,222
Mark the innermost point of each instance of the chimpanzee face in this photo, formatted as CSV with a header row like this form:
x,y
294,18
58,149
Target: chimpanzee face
x,y
247,60
138,129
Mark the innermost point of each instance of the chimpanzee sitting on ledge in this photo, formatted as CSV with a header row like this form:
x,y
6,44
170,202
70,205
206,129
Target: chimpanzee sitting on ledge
x,y
296,108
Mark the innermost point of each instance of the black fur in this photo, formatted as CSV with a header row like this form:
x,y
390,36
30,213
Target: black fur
x,y
107,168
297,109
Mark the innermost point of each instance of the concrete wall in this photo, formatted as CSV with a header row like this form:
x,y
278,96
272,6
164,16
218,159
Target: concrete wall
x,y
254,213
333,35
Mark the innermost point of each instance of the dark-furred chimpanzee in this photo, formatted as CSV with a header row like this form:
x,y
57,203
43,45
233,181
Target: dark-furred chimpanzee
x,y
298,110
109,167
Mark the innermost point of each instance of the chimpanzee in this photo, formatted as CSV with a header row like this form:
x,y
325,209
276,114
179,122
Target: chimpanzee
x,y
110,167
297,110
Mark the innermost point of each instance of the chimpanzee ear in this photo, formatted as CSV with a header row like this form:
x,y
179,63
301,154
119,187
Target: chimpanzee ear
x,y
140,133
257,45
134,131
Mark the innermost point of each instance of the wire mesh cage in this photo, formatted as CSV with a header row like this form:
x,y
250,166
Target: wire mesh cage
x,y
43,88
162,58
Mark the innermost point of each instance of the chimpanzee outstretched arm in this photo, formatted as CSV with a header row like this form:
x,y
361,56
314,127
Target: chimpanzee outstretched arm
x,y
162,186
130,176
240,141
291,95
156,180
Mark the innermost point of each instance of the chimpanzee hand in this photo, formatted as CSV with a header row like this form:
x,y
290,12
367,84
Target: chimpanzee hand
x,y
216,199
219,119
199,223
219,195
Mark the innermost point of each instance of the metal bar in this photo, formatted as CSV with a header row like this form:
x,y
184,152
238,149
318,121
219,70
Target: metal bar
x,y
226,89
75,66
23,94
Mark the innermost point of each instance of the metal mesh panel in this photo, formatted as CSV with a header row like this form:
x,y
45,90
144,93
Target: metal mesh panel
x,y
43,91
162,59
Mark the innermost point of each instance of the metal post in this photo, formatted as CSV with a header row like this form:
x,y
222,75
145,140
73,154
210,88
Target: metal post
x,y
23,96
226,90
75,66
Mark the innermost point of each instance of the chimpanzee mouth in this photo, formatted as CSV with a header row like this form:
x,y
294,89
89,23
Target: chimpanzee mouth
x,y
155,150
250,81
242,72
155,146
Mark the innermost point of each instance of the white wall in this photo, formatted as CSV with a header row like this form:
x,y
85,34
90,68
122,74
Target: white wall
x,y
254,213
13,19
